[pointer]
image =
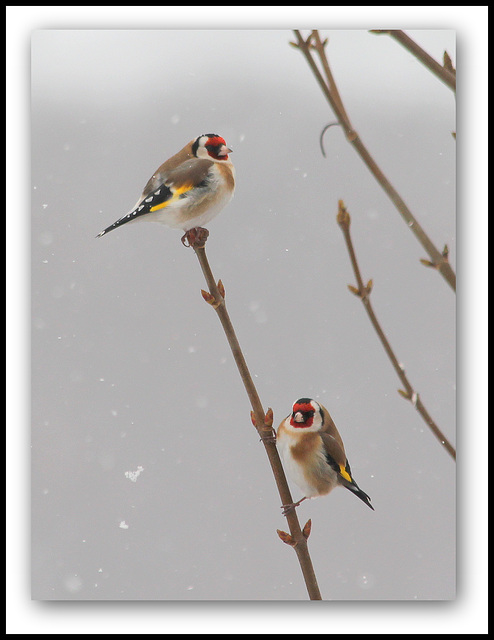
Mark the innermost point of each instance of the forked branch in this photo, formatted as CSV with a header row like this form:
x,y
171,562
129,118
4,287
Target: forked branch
x,y
438,259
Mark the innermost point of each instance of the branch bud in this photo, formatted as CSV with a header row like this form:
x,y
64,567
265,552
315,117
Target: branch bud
x,y
210,299
343,217
286,537
428,263
307,529
448,63
268,418
221,288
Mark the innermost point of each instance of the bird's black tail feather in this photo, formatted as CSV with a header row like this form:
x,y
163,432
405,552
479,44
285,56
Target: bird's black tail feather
x,y
354,488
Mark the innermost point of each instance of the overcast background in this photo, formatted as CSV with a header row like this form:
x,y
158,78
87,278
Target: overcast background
x,y
131,371
468,613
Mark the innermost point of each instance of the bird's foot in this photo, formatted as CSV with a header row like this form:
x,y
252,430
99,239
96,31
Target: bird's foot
x,y
195,238
287,508
269,437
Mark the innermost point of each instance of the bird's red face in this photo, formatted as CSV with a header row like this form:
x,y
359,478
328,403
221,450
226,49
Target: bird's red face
x,y
302,414
216,147
211,146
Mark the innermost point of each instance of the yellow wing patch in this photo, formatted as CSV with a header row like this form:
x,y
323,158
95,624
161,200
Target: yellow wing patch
x,y
176,195
345,474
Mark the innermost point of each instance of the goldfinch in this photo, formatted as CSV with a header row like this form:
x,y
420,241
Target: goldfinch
x,y
313,453
188,190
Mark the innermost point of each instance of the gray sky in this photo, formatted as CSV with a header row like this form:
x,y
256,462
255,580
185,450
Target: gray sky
x,y
130,370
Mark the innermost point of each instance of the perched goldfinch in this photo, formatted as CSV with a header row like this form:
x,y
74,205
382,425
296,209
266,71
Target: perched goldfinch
x,y
313,453
189,189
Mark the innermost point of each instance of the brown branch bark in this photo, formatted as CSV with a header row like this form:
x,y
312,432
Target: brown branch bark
x,y
263,423
438,260
363,292
445,73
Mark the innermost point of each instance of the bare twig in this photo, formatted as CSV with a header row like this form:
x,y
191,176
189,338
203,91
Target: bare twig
x,y
363,292
328,86
445,73
297,538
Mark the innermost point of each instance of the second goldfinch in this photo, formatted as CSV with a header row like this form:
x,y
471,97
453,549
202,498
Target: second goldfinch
x,y
313,453
188,190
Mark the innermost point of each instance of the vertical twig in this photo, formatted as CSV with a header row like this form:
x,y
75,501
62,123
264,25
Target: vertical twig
x,y
438,260
363,292
297,538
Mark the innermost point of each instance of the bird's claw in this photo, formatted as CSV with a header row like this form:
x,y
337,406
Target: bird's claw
x,y
287,508
269,438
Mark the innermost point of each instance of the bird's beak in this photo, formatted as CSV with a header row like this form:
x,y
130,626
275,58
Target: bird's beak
x,y
224,151
298,417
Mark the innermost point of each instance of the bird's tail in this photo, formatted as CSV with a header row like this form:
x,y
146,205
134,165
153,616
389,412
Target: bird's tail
x,y
354,488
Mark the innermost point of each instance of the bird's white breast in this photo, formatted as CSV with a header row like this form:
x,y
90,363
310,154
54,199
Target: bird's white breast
x,y
313,475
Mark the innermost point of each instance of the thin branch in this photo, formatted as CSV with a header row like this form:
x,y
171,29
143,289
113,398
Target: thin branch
x,y
445,73
328,86
297,538
363,292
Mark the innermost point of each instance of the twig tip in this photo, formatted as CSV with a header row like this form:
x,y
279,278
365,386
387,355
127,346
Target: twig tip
x,y
343,217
